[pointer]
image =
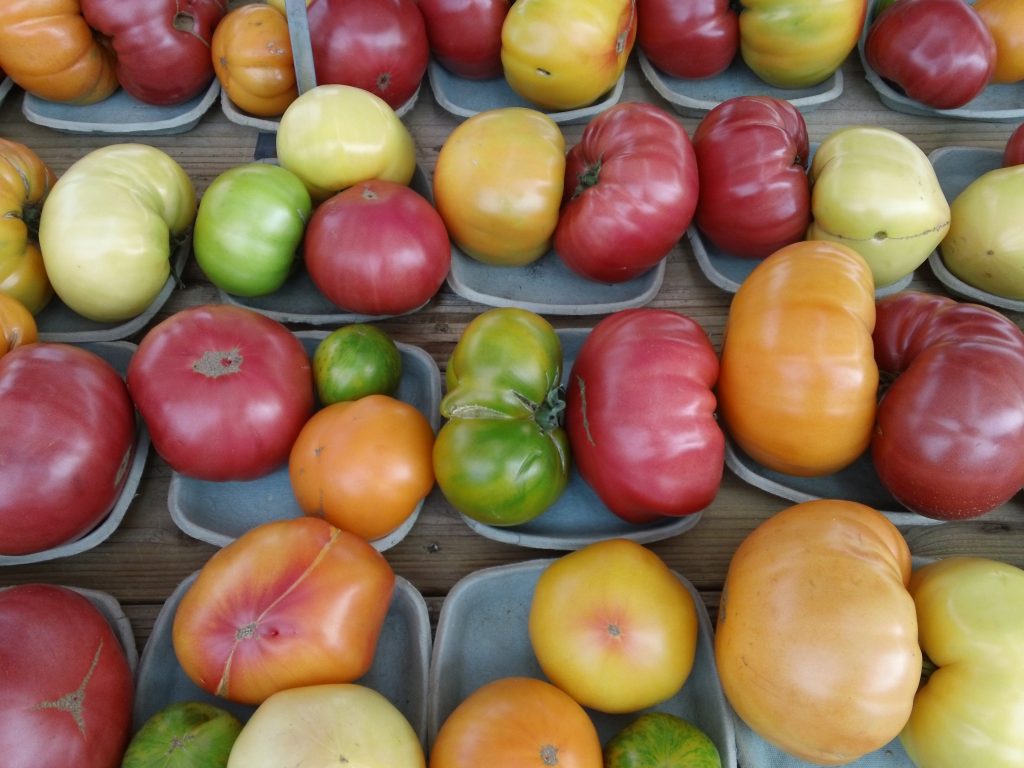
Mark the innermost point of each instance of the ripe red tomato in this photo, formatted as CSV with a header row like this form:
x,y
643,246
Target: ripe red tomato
x,y
224,391
67,685
697,38
1014,153
465,35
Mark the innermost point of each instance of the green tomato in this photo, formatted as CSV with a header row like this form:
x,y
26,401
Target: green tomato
x,y
502,458
355,361
188,734
250,222
661,739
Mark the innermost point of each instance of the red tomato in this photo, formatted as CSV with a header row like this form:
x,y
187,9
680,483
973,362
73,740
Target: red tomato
x,y
377,45
68,430
752,153
640,414
465,35
224,391
288,604
693,39
162,47
1014,153
67,685
629,194
949,441
377,248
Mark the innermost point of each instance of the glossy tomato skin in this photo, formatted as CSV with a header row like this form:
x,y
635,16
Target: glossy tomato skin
x,y
465,35
162,49
939,52
752,154
1014,152
377,248
69,437
693,39
1005,20
223,390
640,414
260,618
668,738
629,194
67,685
949,443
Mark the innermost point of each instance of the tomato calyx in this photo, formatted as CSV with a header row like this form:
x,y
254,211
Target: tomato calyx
x,y
587,178
551,412
215,363
549,754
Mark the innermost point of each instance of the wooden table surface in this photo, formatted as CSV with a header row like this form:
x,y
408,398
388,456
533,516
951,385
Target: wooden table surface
x,y
147,557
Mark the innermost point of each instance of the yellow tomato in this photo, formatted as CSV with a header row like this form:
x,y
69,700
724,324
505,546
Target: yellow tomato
x,y
498,184
17,325
1005,20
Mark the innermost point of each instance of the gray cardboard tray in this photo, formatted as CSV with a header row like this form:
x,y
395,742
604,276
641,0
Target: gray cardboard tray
x,y
482,636
220,512
5,87
118,354
399,670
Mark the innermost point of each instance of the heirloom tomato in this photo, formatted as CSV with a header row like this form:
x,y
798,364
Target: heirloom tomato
x,y
1005,21
949,442
252,59
667,739
640,414
465,35
498,184
752,154
162,47
798,43
502,458
517,722
49,50
224,391
564,54
629,194
798,379
1014,152
354,361
67,685
694,39
109,227
184,734
816,642
613,626
874,190
69,439
287,604
970,614
17,325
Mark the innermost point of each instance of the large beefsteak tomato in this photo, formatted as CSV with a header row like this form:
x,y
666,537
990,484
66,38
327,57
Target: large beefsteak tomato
x,y
695,39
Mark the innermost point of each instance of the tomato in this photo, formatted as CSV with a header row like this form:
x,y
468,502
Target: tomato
x,y
69,438
629,194
498,184
693,40
465,35
184,734
1005,21
162,48
354,361
950,439
666,738
640,414
250,224
875,191
816,642
223,390
107,228
252,59
798,380
517,722
344,723
970,614
502,458
25,181
47,48
1014,152
752,154
798,43
334,136
377,45
377,248
564,54
289,603
17,325
67,685
938,52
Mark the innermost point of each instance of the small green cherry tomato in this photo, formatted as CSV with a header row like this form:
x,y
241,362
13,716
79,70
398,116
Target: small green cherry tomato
x,y
354,361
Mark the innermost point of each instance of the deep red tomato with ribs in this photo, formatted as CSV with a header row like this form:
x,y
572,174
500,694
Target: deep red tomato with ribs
x,y
693,39
1014,152
465,35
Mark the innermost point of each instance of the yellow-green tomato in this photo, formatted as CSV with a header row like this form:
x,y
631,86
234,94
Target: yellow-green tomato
x,y
109,226
874,190
334,136
985,243
498,185
970,614
564,54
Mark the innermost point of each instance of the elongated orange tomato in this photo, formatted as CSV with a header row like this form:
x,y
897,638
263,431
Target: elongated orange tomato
x,y
798,381
17,325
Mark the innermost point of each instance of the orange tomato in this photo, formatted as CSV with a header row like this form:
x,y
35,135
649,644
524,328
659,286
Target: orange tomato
x,y
363,465
17,325
252,58
517,722
1005,20
48,49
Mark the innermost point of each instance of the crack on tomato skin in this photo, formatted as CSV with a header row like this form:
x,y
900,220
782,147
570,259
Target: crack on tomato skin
x,y
73,702
582,387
